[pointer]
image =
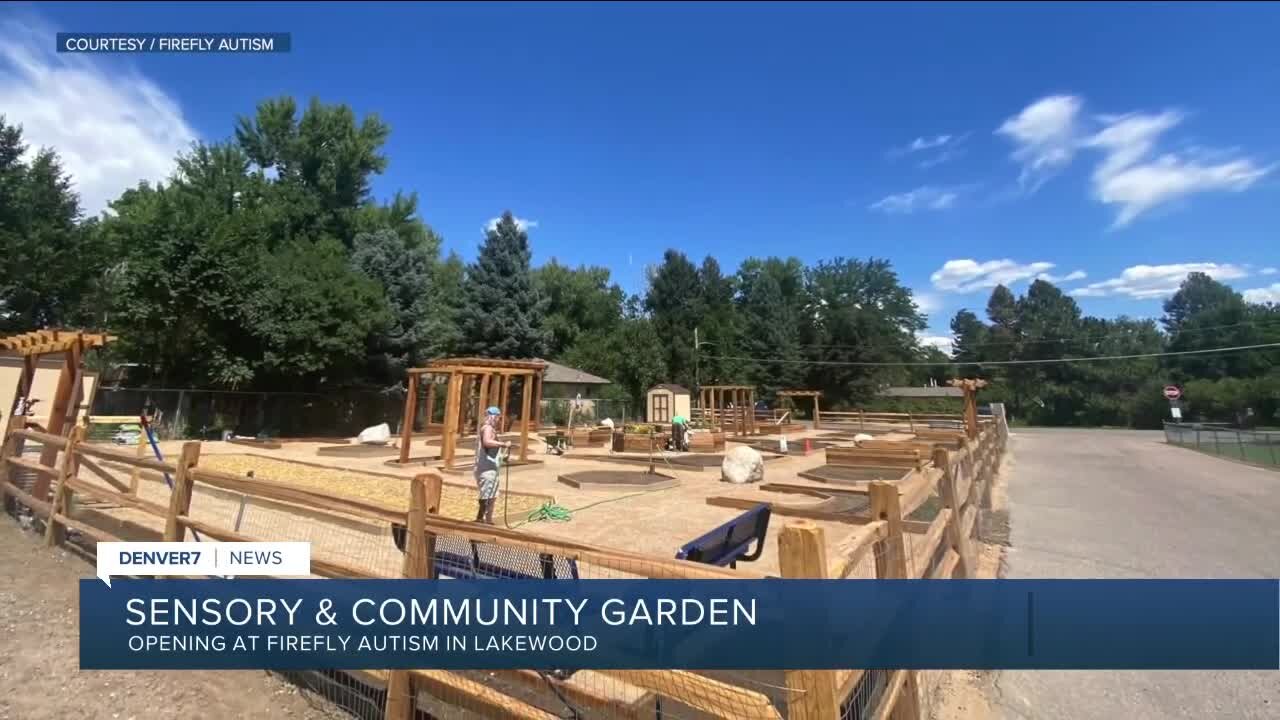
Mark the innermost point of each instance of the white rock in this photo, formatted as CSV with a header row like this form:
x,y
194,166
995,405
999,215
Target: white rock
x,y
742,465
861,438
607,422
376,435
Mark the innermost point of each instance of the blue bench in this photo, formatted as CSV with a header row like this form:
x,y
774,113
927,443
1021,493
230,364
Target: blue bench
x,y
730,542
462,559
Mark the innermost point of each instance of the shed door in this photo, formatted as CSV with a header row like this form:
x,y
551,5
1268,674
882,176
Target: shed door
x,y
662,407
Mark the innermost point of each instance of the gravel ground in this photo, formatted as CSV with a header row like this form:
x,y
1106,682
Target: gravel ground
x,y
39,656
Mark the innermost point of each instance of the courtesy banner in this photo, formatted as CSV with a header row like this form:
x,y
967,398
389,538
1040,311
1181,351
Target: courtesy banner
x,y
690,624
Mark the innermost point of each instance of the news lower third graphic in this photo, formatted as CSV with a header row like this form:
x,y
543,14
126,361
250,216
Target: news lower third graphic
x,y
280,623
174,42
243,559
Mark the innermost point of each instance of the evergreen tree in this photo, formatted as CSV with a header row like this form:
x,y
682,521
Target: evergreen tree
x,y
674,302
769,333
502,314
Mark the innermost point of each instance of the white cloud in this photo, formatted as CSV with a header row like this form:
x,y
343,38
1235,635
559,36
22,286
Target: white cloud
x,y
1048,133
1144,282
1059,279
1045,135
1131,178
1269,294
925,197
1269,271
968,275
938,148
521,223
111,126
942,342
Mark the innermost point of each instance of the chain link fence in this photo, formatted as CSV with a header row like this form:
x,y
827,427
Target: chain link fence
x,y
1259,447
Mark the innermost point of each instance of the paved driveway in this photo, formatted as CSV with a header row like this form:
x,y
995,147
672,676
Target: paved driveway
x,y
1122,504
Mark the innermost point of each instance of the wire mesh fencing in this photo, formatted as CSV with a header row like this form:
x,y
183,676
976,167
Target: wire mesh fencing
x,y
1259,447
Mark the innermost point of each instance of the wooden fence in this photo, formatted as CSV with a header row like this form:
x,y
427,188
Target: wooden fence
x,y
897,547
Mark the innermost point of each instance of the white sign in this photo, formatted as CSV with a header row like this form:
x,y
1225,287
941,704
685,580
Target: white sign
x,y
1176,412
203,558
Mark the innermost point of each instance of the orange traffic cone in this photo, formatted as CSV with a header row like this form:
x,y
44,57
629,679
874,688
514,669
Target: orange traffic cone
x,y
808,448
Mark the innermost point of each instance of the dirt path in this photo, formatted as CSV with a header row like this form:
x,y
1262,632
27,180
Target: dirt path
x,y
39,656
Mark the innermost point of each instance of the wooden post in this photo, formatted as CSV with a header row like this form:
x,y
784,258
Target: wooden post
x,y
802,553
862,419
419,557
139,451
817,414
891,564
504,400
464,403
180,498
63,398
911,421
410,412
482,403
955,525
431,404
54,532
751,412
526,397
452,411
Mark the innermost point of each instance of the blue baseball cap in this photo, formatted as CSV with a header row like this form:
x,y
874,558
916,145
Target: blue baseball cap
x,y
493,410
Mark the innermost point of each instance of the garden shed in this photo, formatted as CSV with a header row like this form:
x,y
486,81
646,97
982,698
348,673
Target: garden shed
x,y
665,402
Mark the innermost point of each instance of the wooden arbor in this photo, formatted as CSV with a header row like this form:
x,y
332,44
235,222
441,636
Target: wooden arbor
x,y
65,407
815,394
472,382
715,399
970,388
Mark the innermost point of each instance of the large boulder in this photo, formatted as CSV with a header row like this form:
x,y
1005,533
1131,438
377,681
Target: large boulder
x,y
376,435
742,465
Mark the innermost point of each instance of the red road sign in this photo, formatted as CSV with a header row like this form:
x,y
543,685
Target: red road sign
x,y
1173,392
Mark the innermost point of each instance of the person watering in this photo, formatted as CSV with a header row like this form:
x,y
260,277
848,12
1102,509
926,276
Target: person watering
x,y
488,457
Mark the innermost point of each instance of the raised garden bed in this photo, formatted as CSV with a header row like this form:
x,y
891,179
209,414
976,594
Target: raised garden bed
x,y
583,437
617,480
844,475
255,443
636,442
706,441
358,450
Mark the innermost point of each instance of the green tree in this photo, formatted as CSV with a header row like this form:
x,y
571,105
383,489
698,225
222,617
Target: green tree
x,y
630,354
674,303
769,334
861,314
580,300
502,316
51,261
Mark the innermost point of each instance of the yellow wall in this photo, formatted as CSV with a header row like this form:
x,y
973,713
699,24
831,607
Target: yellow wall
x,y
46,382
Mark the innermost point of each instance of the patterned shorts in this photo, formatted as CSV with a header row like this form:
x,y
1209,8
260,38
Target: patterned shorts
x,y
487,484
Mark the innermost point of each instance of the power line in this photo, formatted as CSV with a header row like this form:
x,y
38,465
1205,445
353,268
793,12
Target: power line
x,y
968,363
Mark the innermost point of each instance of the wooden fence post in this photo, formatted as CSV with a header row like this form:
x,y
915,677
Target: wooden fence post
x,y
180,497
802,553
419,556
891,564
955,526
54,532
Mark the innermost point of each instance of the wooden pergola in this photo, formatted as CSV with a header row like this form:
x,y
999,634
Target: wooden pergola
x,y
473,382
970,388
714,400
815,394
65,410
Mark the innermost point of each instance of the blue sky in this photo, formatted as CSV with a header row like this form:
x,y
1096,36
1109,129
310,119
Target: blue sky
x,y
1115,145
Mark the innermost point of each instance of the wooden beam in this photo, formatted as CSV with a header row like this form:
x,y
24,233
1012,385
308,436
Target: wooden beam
x,y
125,459
951,500
180,498
53,532
419,554
713,697
802,553
410,413
460,692
788,511
526,399
64,400
297,496
452,410
853,549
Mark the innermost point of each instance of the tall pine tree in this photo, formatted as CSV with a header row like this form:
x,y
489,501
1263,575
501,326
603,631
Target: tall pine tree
x,y
502,314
